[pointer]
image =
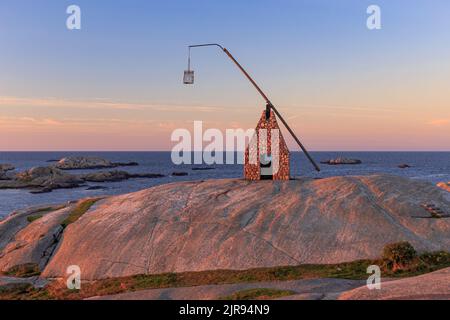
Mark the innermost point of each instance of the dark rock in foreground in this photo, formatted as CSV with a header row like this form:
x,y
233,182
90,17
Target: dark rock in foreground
x,y
341,161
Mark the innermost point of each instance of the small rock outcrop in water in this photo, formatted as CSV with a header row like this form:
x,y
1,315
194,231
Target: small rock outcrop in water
x,y
75,163
179,174
4,168
112,176
340,161
96,188
404,166
44,179
47,179
235,224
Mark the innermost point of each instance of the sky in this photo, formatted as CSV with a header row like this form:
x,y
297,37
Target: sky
x,y
116,84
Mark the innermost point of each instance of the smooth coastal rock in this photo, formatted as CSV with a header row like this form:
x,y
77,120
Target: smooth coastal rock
x,y
76,163
237,224
430,286
33,244
341,161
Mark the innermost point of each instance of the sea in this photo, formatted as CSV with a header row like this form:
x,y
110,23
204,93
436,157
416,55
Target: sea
x,y
429,166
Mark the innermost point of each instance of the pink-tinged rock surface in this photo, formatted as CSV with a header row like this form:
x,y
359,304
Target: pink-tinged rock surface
x,y
34,243
434,286
306,289
237,224
444,185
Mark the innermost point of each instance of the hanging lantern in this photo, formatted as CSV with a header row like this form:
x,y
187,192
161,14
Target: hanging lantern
x,y
188,77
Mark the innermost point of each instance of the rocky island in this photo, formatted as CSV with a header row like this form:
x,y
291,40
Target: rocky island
x,y
77,163
184,229
4,168
46,179
341,161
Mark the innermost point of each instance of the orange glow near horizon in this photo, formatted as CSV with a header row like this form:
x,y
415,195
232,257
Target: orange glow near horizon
x,y
49,124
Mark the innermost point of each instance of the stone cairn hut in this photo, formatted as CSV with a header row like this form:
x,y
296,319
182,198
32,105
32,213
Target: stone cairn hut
x,y
262,160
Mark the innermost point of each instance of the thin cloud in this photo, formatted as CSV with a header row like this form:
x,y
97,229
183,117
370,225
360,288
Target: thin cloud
x,y
439,122
101,103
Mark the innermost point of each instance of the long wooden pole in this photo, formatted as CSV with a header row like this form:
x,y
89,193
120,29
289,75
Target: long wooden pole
x,y
269,104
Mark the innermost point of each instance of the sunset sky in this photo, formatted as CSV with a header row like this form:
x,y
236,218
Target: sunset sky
x,y
116,84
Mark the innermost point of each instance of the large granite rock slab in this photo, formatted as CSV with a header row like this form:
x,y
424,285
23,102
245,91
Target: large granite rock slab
x,y
237,224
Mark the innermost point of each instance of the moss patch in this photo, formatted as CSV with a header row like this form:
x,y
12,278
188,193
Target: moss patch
x,y
81,208
22,291
24,271
32,218
258,294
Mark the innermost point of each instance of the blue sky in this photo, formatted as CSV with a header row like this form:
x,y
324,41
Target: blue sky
x,y
309,56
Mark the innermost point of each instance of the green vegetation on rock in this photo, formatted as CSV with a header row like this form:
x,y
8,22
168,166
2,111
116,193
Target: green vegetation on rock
x,y
258,294
32,218
24,271
424,263
81,208
398,256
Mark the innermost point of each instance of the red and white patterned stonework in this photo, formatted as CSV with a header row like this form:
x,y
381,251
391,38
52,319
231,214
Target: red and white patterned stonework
x,y
253,152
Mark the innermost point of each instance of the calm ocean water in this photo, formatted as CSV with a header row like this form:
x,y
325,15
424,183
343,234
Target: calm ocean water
x,y
429,166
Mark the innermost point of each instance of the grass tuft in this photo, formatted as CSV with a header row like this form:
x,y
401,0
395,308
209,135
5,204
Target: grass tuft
x,y
81,208
258,294
26,270
30,219
424,263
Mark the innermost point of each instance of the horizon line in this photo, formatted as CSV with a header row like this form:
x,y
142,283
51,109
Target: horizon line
x,y
297,151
